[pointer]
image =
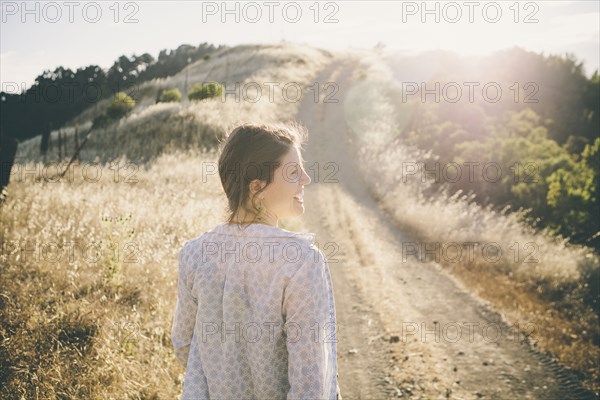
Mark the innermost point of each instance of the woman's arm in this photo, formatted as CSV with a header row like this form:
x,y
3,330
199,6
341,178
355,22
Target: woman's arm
x,y
308,317
184,318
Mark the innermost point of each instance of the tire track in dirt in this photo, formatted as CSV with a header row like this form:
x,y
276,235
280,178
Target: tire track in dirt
x,y
377,293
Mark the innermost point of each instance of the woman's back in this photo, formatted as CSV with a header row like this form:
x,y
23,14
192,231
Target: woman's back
x,y
255,316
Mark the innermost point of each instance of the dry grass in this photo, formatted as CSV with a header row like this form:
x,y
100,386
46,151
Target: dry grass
x,y
537,280
108,314
97,324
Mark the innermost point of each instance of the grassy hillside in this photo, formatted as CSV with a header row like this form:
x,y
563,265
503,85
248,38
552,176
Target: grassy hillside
x,y
151,128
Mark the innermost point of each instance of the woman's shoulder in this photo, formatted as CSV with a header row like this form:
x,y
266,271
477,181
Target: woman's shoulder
x,y
190,245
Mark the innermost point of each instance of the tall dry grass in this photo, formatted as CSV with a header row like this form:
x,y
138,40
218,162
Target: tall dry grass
x,y
89,275
89,265
537,279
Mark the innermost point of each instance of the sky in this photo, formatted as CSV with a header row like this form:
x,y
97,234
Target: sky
x,y
41,35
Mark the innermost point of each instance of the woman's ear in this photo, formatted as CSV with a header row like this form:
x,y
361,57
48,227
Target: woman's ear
x,y
256,185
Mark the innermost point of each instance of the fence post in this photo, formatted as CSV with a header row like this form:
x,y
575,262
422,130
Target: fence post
x,y
59,145
65,141
77,140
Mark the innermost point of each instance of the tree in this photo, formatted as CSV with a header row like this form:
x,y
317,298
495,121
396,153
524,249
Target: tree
x,y
573,196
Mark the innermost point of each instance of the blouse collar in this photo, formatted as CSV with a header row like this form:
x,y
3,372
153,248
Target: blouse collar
x,y
260,230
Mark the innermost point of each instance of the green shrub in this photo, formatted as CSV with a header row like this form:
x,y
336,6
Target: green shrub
x,y
170,95
120,106
205,91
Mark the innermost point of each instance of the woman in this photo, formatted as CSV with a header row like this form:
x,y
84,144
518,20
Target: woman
x,y
255,315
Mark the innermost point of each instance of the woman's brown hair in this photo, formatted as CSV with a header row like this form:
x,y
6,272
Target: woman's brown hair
x,y
254,151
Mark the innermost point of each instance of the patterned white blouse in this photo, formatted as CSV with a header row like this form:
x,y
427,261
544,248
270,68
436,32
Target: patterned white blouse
x,y
255,316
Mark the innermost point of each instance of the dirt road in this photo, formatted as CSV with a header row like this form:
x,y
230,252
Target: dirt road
x,y
399,321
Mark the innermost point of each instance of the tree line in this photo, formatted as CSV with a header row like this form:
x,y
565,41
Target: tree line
x,y
541,138
58,96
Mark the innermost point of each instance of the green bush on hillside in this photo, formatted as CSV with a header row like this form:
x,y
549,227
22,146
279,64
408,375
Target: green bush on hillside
x,y
120,106
205,91
170,95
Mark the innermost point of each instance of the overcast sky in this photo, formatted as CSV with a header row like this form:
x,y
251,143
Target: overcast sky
x,y
79,33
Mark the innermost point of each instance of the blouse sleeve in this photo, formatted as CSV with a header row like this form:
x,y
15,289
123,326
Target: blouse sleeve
x,y
308,318
184,318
